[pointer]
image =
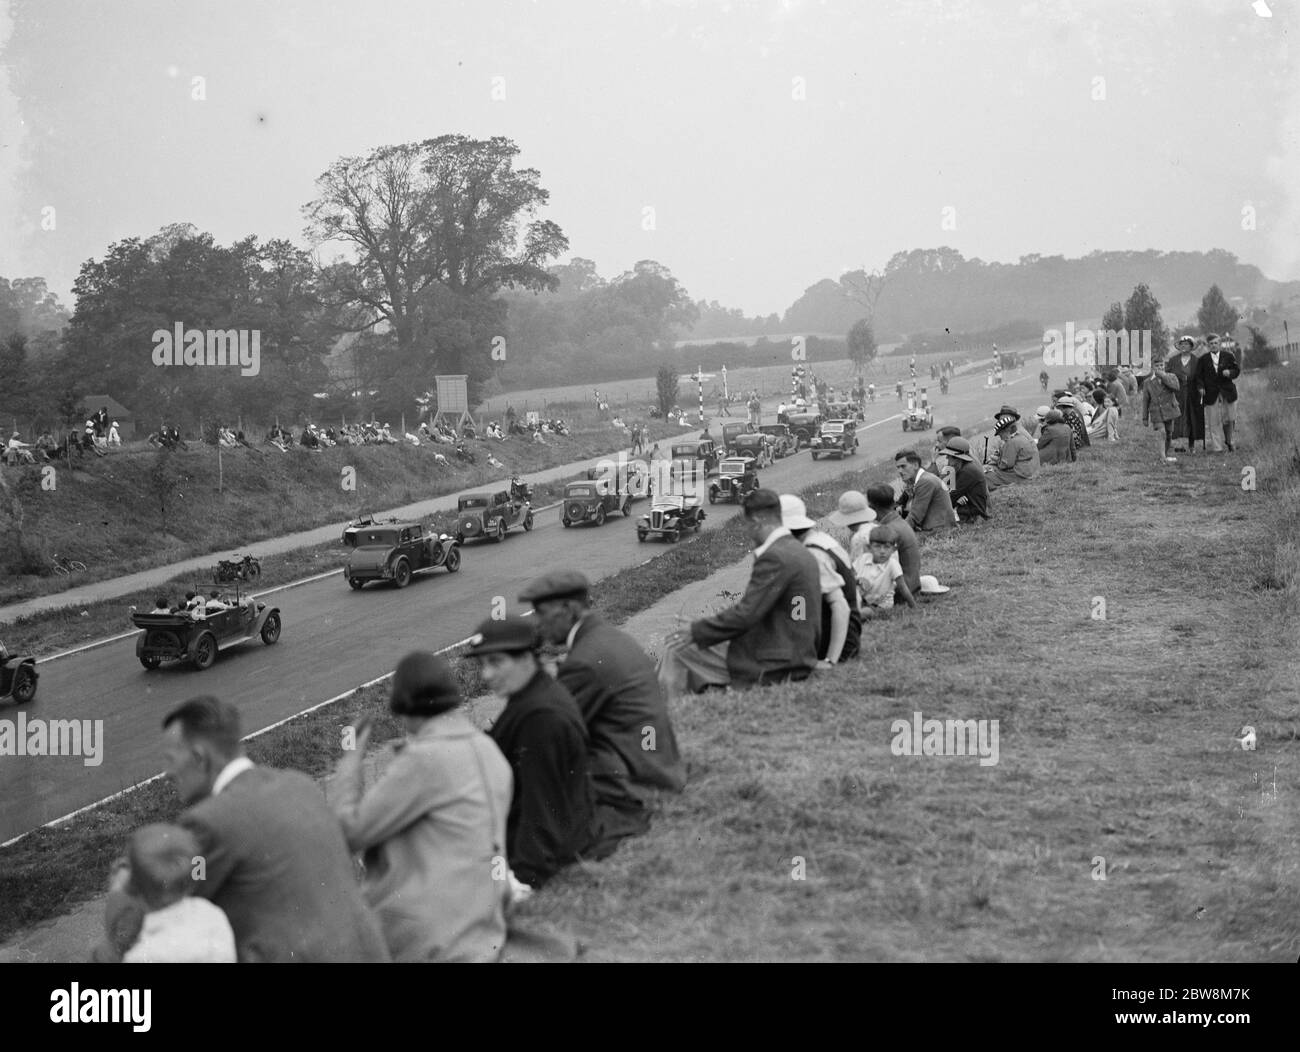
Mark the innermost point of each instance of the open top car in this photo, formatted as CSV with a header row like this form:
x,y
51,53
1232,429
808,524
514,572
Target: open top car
x,y
395,550
783,442
670,517
736,477
918,418
484,515
18,677
196,634
837,438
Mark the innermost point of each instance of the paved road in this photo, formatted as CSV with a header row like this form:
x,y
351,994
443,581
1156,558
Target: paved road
x,y
335,638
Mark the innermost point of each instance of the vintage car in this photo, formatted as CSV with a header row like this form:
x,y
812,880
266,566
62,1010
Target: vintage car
x,y
753,444
701,449
804,427
783,442
736,477
837,438
197,636
18,677
595,500
395,550
482,515
730,431
918,418
670,517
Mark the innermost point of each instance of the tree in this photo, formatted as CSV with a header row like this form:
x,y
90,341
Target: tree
x,y
1216,314
861,344
1260,353
864,289
1113,319
666,387
434,226
1142,314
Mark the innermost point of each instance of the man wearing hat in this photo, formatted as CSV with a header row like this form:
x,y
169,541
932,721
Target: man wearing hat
x,y
1056,440
1017,459
771,634
939,466
854,513
841,629
1215,373
632,750
970,488
541,733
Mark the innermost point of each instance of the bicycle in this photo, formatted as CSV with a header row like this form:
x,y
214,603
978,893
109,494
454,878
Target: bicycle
x,y
63,567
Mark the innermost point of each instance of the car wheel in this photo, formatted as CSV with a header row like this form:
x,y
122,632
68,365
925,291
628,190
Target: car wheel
x,y
814,454
501,533
150,661
24,685
904,425
402,572
627,508
205,650
600,515
460,538
672,536
566,523
453,560
528,521
271,630
356,582
640,535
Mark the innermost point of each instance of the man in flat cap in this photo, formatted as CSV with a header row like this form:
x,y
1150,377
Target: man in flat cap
x,y
632,751
541,733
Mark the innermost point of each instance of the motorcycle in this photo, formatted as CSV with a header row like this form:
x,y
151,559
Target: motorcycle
x,y
246,569
464,454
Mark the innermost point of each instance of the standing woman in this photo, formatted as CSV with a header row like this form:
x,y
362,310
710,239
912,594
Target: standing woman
x,y
1190,425
1160,404
433,828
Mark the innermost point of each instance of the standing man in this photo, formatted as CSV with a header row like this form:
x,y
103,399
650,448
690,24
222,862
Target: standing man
x,y
929,509
274,855
1017,459
631,750
755,409
541,733
1215,373
770,636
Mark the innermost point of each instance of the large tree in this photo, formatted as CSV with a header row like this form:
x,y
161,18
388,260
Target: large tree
x,y
1216,314
861,343
1142,313
666,387
434,229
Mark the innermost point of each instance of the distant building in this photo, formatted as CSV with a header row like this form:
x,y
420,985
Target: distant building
x,y
116,411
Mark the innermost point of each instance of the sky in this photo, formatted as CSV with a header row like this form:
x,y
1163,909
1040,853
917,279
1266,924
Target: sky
x,y
752,148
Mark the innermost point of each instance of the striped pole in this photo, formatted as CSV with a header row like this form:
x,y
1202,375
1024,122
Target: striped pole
x,y
699,379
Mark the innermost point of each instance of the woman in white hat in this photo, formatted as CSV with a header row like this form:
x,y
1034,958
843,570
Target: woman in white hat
x,y
854,513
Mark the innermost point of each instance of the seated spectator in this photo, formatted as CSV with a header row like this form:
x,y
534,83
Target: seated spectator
x,y
1040,416
939,466
880,575
929,508
853,514
758,640
161,605
18,452
152,915
432,824
1017,459
1056,442
1065,403
841,628
881,499
114,436
194,605
970,489
214,604
542,734
1105,420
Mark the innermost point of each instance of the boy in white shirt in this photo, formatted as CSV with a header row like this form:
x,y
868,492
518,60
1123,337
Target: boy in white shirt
x,y
879,574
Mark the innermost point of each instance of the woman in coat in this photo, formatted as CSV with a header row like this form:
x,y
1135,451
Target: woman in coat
x,y
1104,425
1056,440
1160,404
433,828
1190,425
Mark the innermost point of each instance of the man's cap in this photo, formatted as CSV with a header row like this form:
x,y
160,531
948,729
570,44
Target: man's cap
x,y
794,514
944,432
562,584
852,509
423,685
958,447
511,634
1042,411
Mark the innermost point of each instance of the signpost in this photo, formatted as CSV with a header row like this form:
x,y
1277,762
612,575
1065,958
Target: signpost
x,y
699,376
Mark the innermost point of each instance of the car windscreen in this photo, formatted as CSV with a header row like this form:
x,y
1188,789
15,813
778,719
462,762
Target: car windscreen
x,y
581,491
376,537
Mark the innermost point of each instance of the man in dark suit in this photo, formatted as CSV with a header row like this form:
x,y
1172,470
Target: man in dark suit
x,y
1215,372
632,750
273,854
929,508
771,634
541,733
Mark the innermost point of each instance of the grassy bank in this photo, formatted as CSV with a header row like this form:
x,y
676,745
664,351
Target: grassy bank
x,y
108,513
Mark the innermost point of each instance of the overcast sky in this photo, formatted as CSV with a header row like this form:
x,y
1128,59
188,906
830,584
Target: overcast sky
x,y
994,110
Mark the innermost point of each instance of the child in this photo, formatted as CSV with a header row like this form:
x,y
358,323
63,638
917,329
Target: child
x,y
880,575
152,917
